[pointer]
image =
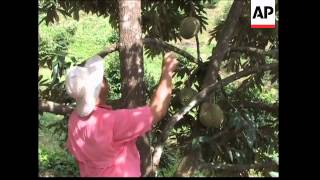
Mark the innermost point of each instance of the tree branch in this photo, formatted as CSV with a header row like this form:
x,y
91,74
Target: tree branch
x,y
198,48
148,41
170,47
106,51
49,106
272,108
272,53
198,99
222,47
110,49
56,108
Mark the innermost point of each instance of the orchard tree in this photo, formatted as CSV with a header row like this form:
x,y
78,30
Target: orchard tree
x,y
248,133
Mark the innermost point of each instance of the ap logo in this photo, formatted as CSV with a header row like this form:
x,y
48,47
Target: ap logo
x,y
263,14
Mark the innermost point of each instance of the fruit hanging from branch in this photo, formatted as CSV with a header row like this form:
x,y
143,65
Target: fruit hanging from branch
x,y
211,115
186,94
189,27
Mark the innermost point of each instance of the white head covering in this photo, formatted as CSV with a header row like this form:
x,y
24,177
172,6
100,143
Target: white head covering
x,y
84,84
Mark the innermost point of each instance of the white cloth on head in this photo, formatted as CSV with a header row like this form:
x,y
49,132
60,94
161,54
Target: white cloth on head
x,y
84,84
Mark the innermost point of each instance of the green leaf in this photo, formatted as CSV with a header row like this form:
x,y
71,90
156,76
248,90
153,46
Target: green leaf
x,y
40,77
73,59
49,63
55,73
195,143
63,12
177,84
43,82
61,61
274,174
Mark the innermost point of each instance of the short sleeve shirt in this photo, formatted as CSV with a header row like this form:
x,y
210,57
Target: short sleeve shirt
x,y
104,143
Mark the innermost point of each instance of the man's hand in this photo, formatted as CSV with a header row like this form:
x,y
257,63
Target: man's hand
x,y
170,63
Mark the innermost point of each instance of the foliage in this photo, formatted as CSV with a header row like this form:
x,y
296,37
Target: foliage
x,y
155,13
244,36
52,55
60,164
54,160
113,76
249,145
169,162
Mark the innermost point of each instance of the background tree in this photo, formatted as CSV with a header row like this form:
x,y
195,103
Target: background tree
x,y
248,136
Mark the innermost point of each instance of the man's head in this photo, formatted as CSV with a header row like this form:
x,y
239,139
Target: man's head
x,y
84,84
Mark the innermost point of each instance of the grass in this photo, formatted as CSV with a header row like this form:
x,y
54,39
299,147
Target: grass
x,y
91,36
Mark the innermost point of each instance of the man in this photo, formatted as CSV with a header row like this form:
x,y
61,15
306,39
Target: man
x,y
103,140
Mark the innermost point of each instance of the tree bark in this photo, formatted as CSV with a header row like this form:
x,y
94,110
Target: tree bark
x,y
131,66
131,57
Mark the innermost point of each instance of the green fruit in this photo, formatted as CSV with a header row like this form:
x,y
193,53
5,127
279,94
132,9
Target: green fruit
x,y
186,94
211,115
189,27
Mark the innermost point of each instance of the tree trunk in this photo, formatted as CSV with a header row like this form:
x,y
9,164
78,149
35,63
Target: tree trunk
x,y
131,59
131,64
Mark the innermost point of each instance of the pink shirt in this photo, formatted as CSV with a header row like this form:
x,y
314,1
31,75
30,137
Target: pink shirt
x,y
104,144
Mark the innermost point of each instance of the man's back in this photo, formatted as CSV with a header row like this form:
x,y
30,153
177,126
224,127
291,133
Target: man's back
x,y
104,143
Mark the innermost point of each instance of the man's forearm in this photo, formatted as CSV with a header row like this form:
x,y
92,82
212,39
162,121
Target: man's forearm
x,y
161,99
